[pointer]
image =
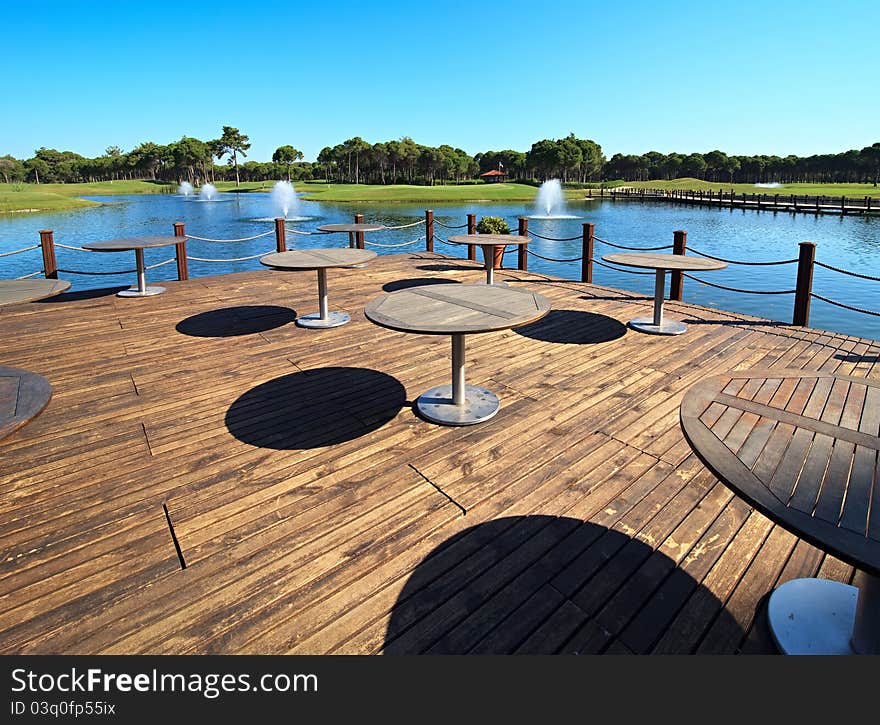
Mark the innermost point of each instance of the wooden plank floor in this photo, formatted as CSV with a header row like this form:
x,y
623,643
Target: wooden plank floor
x,y
316,513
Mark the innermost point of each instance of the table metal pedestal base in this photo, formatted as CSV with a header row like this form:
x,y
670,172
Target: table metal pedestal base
x,y
824,617
479,404
135,292
666,327
333,319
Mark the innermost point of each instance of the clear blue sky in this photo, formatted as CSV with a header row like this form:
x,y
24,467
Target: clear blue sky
x,y
788,76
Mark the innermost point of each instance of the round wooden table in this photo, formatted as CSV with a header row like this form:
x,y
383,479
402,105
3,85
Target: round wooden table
x,y
138,245
24,395
320,260
353,230
457,310
662,263
489,243
802,448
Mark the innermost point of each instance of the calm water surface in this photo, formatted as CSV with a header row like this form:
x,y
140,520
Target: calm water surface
x,y
849,242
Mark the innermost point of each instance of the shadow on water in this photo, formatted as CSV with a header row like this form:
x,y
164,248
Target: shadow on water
x,y
574,326
235,321
319,407
544,585
415,282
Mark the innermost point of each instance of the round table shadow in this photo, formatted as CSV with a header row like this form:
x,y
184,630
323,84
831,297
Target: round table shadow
x,y
316,408
574,326
235,321
465,266
545,585
82,295
399,284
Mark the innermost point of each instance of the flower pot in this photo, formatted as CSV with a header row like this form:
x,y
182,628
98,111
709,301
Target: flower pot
x,y
497,257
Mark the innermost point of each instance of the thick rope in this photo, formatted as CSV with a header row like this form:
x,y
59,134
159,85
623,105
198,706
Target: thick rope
x,y
449,226
737,261
620,269
846,271
393,246
305,234
75,249
407,226
76,271
228,241
237,259
553,259
554,239
744,291
161,264
32,274
638,249
846,307
19,251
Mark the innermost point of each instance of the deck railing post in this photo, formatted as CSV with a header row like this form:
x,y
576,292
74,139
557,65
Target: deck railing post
x,y
280,235
522,254
429,230
679,246
868,203
359,236
180,251
47,244
472,229
804,287
589,231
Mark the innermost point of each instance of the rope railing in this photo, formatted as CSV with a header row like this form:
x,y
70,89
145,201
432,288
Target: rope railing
x,y
237,259
393,246
448,226
554,239
229,241
19,251
97,272
304,234
161,264
552,259
846,271
846,307
32,274
736,289
738,261
639,249
407,226
619,269
74,249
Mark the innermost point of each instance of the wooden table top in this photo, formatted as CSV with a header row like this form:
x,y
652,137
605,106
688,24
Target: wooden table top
x,y
350,227
801,447
495,240
323,258
16,291
654,260
128,244
448,309
23,395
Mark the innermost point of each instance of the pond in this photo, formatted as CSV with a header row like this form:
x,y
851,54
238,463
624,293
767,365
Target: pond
x,y
851,243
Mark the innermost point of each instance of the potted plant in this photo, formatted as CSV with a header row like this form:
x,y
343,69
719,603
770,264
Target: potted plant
x,y
494,225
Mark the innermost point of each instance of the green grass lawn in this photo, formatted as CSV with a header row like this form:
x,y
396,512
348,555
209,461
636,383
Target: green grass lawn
x,y
687,184
408,193
60,197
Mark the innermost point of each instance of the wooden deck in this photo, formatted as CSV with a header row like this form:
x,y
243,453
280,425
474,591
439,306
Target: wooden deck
x,y
316,513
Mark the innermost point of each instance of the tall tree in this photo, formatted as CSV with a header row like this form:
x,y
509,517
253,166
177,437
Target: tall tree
x,y
286,155
233,142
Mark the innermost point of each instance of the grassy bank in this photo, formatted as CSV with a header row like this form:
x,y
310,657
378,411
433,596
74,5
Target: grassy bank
x,y
408,193
61,197
688,184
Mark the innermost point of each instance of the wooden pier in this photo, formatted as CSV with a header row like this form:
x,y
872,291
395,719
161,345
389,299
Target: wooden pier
x,y
314,512
794,203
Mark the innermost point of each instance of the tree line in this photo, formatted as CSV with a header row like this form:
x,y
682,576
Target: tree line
x,y
355,160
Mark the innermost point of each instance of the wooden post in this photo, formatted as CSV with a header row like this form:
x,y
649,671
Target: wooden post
x,y
472,229
280,235
429,230
842,205
589,231
804,286
522,256
868,204
47,244
817,204
679,246
731,198
359,236
180,251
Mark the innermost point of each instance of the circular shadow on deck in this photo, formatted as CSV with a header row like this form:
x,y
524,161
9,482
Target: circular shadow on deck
x,y
545,585
235,321
82,295
415,282
316,408
574,326
465,266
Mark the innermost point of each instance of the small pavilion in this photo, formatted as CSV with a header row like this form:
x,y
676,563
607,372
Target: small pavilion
x,y
494,176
